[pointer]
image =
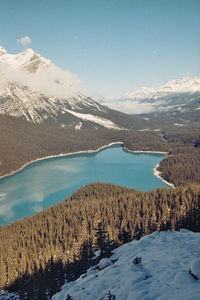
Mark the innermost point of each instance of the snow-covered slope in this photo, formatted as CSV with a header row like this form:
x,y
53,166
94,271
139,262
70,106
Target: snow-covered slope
x,y
27,60
163,274
177,102
21,101
182,85
33,88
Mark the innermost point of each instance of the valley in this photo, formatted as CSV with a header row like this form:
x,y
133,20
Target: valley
x,y
52,137
64,240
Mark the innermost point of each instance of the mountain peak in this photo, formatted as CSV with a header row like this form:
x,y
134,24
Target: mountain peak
x,y
2,51
28,51
34,89
181,85
28,60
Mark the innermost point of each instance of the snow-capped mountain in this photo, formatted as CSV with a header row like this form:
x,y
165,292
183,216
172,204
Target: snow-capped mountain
x,y
33,88
160,266
178,102
27,60
183,85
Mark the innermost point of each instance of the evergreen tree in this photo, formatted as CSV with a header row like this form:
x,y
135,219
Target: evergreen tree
x,y
111,296
102,241
69,297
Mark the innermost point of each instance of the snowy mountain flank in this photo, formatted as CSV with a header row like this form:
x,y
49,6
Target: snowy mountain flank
x,y
160,266
181,85
178,101
33,88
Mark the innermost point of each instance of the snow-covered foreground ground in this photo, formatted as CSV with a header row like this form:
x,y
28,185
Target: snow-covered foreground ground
x,y
164,273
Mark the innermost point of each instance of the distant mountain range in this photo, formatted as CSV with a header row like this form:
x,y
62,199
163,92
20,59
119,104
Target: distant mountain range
x,y
177,102
33,88
183,85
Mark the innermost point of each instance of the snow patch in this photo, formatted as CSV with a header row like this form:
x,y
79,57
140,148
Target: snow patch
x,y
88,117
145,129
178,124
5,295
78,126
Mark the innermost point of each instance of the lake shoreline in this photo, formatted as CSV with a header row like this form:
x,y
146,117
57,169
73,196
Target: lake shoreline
x,y
155,171
158,175
59,155
145,151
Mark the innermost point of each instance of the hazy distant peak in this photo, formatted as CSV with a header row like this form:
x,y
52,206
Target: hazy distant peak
x,y
141,93
185,84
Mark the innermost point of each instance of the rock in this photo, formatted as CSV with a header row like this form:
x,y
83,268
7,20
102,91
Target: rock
x,y
195,268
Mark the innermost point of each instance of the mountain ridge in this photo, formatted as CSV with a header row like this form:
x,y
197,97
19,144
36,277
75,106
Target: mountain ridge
x,y
176,102
181,85
34,89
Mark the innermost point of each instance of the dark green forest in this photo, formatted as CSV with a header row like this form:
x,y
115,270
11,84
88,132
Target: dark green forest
x,y
22,141
38,253
182,166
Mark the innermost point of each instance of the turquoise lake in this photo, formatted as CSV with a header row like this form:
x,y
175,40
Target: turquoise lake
x,y
50,181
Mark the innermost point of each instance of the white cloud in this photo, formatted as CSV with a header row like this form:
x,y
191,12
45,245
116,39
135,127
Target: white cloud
x,y
25,41
52,82
130,106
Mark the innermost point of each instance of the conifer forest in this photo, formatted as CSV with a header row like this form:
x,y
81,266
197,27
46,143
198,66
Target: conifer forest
x,y
38,253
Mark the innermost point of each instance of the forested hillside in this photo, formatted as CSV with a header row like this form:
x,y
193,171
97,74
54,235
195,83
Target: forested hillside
x,y
38,253
182,164
22,141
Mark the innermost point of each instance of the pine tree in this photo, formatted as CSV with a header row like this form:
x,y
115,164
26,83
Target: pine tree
x,y
102,241
111,296
69,297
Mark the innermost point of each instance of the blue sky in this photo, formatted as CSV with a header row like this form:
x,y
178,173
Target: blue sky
x,y
113,46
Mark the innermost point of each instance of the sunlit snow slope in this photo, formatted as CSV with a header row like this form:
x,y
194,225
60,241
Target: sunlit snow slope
x,y
166,258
